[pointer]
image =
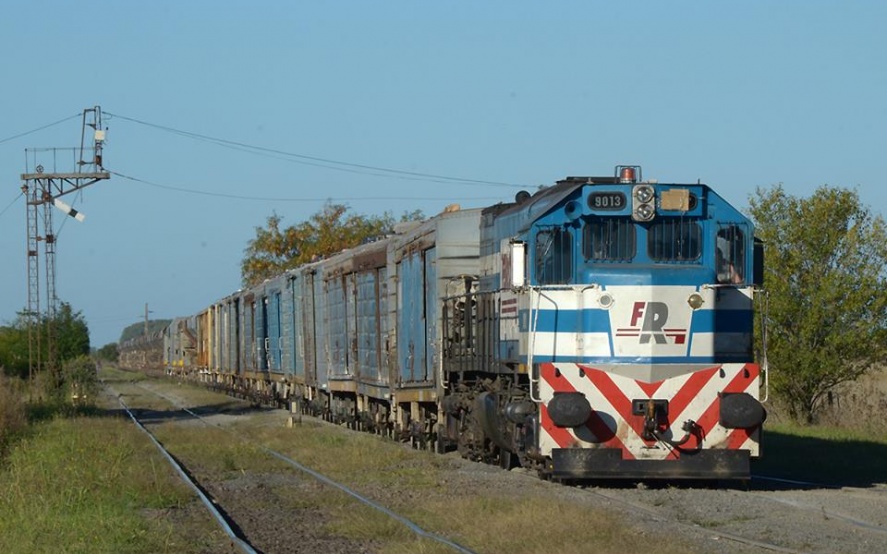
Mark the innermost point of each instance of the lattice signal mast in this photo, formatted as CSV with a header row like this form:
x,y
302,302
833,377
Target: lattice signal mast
x,y
42,190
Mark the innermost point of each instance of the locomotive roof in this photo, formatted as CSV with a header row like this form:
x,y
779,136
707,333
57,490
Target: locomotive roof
x,y
550,195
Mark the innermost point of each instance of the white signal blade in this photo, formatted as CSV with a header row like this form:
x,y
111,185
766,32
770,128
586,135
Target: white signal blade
x,y
68,210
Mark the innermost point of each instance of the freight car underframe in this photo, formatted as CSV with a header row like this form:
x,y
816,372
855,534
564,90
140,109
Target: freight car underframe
x,y
490,419
360,406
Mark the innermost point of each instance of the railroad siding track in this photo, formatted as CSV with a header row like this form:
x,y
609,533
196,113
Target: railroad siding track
x,y
233,528
228,525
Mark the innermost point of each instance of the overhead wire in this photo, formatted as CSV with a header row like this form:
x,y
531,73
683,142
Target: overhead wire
x,y
48,125
324,166
327,163
14,200
279,199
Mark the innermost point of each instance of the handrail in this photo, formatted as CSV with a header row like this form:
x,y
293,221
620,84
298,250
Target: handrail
x,y
765,364
534,323
531,342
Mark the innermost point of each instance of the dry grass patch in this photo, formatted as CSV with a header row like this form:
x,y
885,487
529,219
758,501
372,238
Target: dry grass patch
x,y
360,458
215,451
492,523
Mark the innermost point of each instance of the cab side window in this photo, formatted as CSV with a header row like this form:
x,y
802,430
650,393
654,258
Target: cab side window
x,y
554,256
730,255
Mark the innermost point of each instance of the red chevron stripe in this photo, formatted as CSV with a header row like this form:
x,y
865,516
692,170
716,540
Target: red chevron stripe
x,y
649,388
620,402
737,438
709,418
560,435
689,391
595,424
677,404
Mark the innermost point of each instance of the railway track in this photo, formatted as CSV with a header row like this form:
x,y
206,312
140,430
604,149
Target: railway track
x,y
227,523
776,515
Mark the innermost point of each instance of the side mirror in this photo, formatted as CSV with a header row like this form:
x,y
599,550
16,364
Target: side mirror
x,y
758,268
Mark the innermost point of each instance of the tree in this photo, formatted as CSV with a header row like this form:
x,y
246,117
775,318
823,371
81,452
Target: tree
x,y
71,334
825,276
108,352
274,250
137,330
71,339
14,349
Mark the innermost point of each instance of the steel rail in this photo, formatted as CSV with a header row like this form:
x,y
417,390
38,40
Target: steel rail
x,y
794,482
323,479
217,515
820,509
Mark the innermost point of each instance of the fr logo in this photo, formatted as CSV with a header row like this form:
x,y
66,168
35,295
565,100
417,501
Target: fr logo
x,y
654,315
648,321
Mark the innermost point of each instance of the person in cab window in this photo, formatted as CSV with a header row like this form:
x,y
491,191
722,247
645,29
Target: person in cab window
x,y
730,253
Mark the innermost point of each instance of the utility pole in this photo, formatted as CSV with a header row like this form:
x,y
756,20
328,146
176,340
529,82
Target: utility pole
x,y
146,321
42,190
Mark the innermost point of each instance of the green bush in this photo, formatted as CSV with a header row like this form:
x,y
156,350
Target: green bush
x,y
80,380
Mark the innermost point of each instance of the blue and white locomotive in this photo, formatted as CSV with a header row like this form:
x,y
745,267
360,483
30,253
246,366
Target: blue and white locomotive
x,y
599,328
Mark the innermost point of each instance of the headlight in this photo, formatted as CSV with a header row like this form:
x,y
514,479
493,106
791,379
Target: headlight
x,y
644,212
643,203
644,193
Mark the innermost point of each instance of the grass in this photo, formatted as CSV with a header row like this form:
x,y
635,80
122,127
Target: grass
x,y
112,374
80,479
823,454
94,484
489,522
13,411
86,485
215,451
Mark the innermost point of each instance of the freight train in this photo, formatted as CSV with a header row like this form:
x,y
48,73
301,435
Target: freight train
x,y
602,327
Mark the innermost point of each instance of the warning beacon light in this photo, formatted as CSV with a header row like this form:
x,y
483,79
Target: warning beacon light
x,y
627,175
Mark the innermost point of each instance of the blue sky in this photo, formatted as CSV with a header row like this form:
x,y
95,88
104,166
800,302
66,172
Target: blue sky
x,y
740,95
